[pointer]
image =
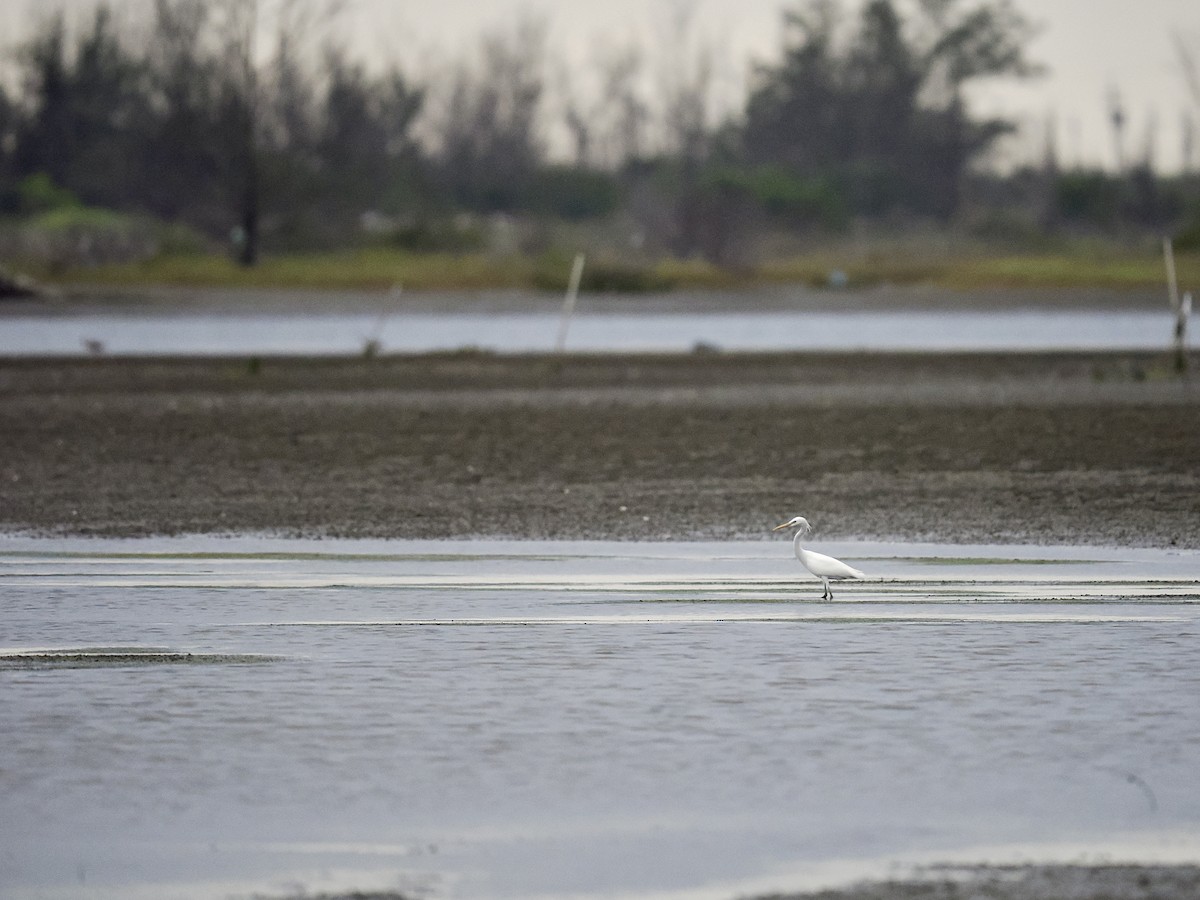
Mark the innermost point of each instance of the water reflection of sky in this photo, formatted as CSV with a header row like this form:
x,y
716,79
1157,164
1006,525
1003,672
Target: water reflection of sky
x,y
215,334
525,719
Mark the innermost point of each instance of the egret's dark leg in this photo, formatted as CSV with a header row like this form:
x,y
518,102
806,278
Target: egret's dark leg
x,y
828,595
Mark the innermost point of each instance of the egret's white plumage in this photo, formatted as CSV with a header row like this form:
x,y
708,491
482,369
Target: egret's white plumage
x,y
824,567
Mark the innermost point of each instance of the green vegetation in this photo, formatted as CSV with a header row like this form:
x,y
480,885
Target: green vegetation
x,y
175,156
372,269
1060,270
1116,268
381,269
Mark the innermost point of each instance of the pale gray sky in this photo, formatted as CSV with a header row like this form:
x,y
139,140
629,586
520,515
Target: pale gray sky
x,y
1089,46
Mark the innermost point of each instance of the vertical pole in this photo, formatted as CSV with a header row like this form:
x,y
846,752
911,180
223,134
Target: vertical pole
x,y
568,309
1181,323
248,255
1179,308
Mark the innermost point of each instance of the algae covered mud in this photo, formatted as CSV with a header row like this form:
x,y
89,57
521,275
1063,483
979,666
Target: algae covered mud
x,y
209,717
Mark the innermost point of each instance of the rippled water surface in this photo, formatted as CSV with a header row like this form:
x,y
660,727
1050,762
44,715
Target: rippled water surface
x,y
221,717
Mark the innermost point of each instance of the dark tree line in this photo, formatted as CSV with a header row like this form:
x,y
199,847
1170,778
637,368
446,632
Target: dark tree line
x,y
185,125
180,119
883,114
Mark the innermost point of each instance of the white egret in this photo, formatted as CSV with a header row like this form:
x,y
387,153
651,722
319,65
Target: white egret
x,y
824,567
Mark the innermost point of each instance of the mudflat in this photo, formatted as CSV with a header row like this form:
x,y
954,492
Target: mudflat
x,y
1008,447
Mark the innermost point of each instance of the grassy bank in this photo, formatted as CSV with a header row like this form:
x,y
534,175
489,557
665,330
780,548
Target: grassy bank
x,y
381,269
1096,267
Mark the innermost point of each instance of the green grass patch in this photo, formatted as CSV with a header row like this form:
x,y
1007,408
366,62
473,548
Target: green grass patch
x,y
382,268
975,271
1065,270
370,269
69,218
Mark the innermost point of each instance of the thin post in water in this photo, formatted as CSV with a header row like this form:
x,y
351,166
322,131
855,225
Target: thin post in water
x,y
568,309
1181,308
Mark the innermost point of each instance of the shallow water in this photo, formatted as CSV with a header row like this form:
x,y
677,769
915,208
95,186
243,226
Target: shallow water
x,y
282,333
209,717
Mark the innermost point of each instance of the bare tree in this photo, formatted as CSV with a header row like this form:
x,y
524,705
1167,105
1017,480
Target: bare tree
x,y
1117,120
489,130
618,113
686,86
1149,153
686,83
1189,68
1187,128
579,116
241,26
236,23
606,115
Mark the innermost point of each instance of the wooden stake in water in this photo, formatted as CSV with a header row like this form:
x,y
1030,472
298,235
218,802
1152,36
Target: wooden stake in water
x,y
1181,323
1181,308
373,342
568,309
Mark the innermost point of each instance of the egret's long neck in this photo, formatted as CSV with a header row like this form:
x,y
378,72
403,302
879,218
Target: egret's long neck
x,y
796,543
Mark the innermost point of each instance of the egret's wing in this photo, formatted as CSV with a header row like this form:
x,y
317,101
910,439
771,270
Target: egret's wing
x,y
828,567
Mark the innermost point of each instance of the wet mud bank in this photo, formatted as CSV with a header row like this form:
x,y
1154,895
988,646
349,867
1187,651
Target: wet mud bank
x,y
1029,448
1033,882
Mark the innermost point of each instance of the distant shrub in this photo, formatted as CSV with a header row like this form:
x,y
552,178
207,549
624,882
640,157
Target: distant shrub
x,y
1091,197
602,276
70,236
1187,238
574,194
81,219
39,194
447,235
623,278
178,239
784,195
